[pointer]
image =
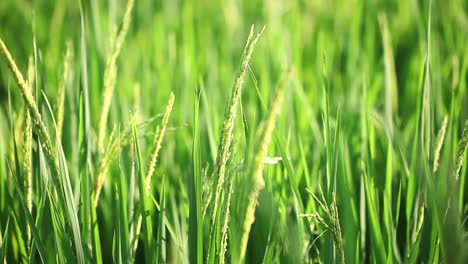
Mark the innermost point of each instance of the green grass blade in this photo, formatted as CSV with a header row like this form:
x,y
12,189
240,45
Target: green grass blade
x,y
144,196
195,192
36,239
4,241
22,252
160,238
123,217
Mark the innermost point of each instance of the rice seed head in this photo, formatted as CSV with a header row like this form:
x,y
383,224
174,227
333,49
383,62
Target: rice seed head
x,y
330,220
461,150
39,127
229,118
27,148
226,137
337,236
256,174
109,85
62,87
440,141
391,89
158,139
261,153
110,154
207,191
225,223
110,73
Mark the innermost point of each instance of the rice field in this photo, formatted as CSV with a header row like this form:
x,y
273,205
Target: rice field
x,y
236,131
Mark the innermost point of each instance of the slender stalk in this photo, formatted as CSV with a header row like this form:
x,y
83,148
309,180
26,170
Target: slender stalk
x,y
225,222
27,150
228,125
158,139
440,142
110,73
39,127
257,183
112,150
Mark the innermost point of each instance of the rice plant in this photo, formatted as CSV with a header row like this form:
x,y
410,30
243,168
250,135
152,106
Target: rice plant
x,y
260,131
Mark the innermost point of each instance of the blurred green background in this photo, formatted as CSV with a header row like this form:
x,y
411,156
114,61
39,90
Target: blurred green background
x,y
190,46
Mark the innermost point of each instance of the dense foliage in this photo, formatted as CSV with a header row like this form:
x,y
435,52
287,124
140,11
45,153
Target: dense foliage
x,y
175,131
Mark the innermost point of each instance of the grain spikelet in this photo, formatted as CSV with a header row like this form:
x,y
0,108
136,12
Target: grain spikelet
x,y
440,141
39,127
27,149
111,153
330,220
110,73
226,215
391,89
229,118
158,138
256,174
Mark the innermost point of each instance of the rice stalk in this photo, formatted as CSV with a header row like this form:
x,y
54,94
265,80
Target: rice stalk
x,y
60,173
391,89
110,73
148,237
62,87
110,154
229,118
207,192
158,139
27,150
225,225
256,174
330,220
440,141
39,127
461,151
